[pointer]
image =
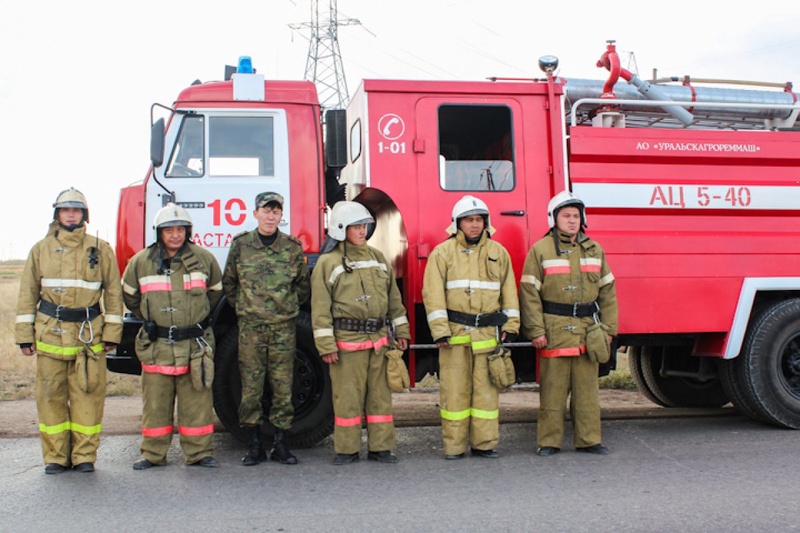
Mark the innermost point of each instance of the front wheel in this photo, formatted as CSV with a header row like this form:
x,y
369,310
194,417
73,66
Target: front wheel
x,y
311,390
766,375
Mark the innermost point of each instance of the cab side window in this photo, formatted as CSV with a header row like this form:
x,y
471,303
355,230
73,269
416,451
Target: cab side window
x,y
475,148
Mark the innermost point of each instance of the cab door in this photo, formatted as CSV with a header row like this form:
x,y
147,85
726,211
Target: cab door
x,y
472,148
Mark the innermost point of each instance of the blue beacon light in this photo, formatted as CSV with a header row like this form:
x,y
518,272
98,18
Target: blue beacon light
x,y
245,65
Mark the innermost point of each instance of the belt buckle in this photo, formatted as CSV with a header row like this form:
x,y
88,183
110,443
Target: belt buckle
x,y
477,320
169,339
58,312
575,310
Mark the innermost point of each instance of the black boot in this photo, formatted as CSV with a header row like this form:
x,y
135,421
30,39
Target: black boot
x,y
280,450
256,452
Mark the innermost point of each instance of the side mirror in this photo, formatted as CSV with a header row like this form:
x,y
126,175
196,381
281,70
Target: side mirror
x,y
157,143
336,138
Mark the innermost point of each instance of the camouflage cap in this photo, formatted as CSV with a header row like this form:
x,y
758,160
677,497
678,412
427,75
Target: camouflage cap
x,y
264,198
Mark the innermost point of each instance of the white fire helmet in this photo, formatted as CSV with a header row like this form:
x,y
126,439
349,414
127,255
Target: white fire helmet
x,y
173,215
564,199
345,214
466,206
71,197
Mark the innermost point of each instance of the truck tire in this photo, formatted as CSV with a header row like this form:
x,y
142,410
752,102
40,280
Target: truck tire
x,y
675,391
767,372
733,383
635,364
311,390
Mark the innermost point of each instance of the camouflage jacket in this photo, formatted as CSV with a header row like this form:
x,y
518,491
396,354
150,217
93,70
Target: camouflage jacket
x,y
266,284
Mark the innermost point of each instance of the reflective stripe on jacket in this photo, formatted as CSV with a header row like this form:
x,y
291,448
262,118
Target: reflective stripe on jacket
x,y
579,274
180,292
472,279
368,291
73,270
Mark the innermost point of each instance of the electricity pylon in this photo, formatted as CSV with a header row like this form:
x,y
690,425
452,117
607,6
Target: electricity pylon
x,y
324,61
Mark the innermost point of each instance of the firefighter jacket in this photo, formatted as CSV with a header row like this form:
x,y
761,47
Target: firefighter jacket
x,y
73,270
266,284
473,279
367,290
566,273
172,292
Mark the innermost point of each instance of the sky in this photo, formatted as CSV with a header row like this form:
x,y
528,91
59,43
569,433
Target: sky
x,y
77,78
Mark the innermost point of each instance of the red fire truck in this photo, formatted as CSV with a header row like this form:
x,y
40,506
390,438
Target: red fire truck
x,y
693,190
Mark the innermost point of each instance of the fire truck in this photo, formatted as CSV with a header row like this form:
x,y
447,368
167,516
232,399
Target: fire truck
x,y
692,188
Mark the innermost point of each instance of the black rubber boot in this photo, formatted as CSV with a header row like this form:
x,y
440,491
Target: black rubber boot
x,y
280,450
256,452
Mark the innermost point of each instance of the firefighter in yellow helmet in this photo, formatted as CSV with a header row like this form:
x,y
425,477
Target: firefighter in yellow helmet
x,y
566,287
173,286
470,296
60,319
355,310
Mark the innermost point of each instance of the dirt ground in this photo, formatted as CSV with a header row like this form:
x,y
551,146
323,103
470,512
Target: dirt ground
x,y
417,407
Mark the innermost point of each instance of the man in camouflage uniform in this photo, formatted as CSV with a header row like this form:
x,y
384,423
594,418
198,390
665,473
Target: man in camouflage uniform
x,y
59,318
266,280
173,285
566,287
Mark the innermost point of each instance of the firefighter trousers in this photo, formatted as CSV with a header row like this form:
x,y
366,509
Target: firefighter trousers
x,y
468,401
267,351
195,417
70,419
576,377
360,388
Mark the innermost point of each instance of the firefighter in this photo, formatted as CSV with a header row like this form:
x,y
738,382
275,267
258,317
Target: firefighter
x,y
59,318
357,315
470,297
566,287
172,286
266,280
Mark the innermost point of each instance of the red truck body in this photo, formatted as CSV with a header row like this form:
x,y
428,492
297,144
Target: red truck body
x,y
698,220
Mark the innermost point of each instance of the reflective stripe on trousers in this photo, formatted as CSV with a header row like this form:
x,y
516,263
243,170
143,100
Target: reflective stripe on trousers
x,y
469,402
361,390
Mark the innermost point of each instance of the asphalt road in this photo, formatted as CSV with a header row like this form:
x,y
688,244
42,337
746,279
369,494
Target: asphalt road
x,y
722,473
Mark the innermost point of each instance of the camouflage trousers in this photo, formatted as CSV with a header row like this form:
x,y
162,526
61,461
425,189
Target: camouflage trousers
x,y
267,350
576,378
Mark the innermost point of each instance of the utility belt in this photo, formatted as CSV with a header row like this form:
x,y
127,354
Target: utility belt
x,y
69,314
364,325
573,310
174,333
481,320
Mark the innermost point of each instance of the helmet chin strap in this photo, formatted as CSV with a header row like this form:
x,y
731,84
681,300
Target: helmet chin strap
x,y
71,227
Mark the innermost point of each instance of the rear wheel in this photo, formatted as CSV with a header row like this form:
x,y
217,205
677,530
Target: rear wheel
x,y
680,391
766,375
311,390
635,355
